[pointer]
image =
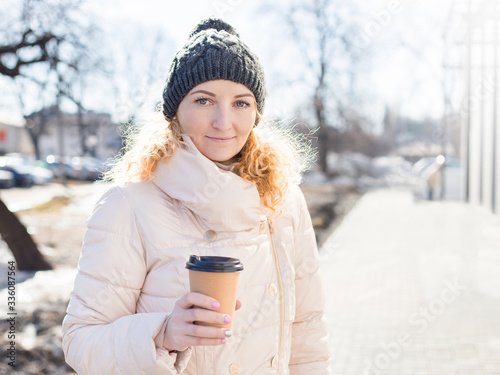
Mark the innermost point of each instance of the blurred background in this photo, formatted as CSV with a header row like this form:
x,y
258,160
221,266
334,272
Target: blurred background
x,y
399,98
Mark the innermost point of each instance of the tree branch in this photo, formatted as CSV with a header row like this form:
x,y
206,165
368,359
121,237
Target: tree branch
x,y
41,41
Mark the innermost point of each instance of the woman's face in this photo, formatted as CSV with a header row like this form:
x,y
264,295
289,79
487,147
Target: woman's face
x,y
218,116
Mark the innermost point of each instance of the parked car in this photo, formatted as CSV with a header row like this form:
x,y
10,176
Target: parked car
x,y
22,175
7,179
82,168
41,175
91,168
54,163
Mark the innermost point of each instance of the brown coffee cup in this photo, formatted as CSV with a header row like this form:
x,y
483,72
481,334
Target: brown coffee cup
x,y
218,278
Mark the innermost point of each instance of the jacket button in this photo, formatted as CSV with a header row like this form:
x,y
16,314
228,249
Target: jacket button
x,y
234,368
210,236
272,289
274,361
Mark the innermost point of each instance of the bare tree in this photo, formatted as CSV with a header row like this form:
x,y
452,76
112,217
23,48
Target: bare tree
x,y
323,31
47,50
141,70
46,45
29,39
21,244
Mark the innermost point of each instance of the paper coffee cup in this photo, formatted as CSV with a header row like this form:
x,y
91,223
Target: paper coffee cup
x,y
218,278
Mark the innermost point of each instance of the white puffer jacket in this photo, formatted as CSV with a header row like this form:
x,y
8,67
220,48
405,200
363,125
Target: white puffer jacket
x,y
132,271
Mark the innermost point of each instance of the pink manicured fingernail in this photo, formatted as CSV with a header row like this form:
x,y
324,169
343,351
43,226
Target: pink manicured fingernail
x,y
227,319
215,304
224,340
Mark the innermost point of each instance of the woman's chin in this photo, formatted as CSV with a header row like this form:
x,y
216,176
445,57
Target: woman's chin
x,y
223,159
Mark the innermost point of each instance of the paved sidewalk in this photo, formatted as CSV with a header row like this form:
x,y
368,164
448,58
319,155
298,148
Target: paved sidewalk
x,y
18,199
413,288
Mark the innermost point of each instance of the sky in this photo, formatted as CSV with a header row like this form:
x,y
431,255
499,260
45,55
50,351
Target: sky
x,y
400,39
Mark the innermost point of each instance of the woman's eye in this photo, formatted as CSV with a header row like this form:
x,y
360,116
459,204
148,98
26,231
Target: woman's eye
x,y
202,101
242,104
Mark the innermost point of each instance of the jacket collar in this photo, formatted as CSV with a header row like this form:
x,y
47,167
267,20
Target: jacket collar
x,y
222,199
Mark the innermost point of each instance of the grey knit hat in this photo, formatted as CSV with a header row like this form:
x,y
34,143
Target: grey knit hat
x,y
213,51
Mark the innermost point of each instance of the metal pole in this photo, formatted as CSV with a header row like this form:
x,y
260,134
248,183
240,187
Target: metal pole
x,y
482,125
494,202
466,132
443,127
60,138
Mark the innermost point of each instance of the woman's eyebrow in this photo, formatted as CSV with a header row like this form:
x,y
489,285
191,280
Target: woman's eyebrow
x,y
202,92
212,94
242,95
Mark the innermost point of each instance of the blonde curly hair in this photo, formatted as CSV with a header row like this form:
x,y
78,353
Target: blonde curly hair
x,y
272,157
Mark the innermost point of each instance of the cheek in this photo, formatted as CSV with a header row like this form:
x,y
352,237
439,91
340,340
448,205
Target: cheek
x,y
247,132
248,128
189,122
247,124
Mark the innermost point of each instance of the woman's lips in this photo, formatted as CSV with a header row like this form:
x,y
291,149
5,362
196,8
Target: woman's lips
x,y
220,139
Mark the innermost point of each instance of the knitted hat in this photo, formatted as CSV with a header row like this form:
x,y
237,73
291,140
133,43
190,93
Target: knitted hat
x,y
213,51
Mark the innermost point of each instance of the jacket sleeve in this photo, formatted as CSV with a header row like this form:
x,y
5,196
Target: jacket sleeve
x,y
102,333
310,352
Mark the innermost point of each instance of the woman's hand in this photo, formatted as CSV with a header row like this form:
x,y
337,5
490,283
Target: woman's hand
x,y
182,333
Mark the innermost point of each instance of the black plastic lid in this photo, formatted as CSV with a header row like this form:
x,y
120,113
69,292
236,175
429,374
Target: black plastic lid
x,y
213,264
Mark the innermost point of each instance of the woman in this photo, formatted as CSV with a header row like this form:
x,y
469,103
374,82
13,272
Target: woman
x,y
203,179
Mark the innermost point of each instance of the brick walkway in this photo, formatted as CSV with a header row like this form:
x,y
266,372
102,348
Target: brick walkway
x,y
413,288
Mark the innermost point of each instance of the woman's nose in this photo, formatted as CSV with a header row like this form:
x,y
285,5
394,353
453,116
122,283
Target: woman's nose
x,y
222,119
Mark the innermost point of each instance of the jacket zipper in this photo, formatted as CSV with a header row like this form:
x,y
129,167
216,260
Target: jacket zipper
x,y
282,302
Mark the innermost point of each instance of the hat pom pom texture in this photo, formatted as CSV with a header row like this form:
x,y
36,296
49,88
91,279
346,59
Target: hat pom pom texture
x,y
213,23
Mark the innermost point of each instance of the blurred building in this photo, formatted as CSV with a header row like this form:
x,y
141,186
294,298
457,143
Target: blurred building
x,y
72,134
472,36
14,137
